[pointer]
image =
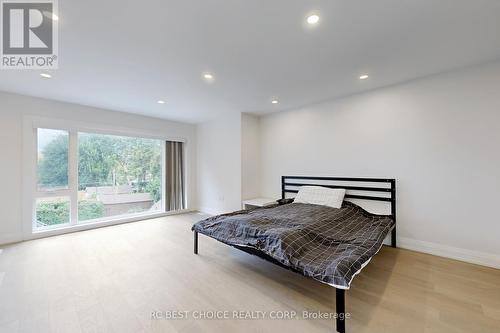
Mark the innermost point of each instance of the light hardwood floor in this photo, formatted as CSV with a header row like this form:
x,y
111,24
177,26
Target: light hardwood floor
x,y
111,279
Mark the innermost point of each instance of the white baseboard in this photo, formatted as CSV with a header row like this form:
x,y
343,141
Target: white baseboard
x,y
10,238
474,257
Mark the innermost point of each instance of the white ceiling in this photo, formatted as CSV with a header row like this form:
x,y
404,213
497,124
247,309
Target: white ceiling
x,y
125,55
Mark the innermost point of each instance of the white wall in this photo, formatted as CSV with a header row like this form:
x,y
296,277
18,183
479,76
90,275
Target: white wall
x,y
219,164
250,156
13,108
438,136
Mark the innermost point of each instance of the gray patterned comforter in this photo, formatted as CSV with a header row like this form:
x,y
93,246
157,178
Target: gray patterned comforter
x,y
328,244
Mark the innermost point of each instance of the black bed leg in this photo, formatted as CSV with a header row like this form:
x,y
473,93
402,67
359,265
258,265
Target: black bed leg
x,y
196,242
340,310
393,237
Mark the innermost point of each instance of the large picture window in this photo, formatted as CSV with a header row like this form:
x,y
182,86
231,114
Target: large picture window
x,y
118,176
84,177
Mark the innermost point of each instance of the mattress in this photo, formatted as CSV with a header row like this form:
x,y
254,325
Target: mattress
x,y
328,244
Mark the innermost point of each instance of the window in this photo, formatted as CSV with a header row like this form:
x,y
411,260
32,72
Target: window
x,y
52,211
118,176
53,146
84,177
52,205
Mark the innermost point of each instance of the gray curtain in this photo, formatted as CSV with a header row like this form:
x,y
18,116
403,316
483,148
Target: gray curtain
x,y
174,170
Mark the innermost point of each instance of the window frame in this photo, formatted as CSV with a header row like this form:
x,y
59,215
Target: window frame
x,y
30,184
51,193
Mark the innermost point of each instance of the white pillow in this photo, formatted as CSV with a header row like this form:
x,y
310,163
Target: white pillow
x,y
318,195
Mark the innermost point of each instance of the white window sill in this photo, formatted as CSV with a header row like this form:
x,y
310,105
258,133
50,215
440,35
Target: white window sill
x,y
66,228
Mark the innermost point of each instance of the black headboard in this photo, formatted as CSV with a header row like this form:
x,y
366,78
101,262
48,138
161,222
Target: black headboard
x,y
374,189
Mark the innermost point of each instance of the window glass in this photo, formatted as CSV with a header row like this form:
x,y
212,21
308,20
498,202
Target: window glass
x,y
118,176
52,211
52,159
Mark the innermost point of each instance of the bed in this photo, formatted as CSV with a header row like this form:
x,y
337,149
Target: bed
x,y
330,245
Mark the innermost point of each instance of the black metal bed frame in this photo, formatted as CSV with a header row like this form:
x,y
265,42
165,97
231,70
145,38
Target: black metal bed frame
x,y
292,187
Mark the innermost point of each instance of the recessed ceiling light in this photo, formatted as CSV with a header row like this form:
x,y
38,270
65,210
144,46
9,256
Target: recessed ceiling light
x,y
161,102
274,101
208,76
46,76
313,19
363,77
